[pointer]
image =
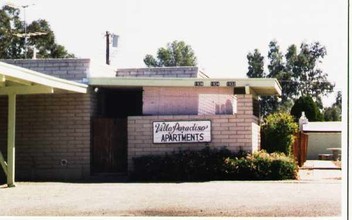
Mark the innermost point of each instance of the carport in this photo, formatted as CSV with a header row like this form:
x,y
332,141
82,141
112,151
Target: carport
x,y
15,81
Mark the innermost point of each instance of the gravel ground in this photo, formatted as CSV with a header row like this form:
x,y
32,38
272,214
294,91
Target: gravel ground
x,y
216,198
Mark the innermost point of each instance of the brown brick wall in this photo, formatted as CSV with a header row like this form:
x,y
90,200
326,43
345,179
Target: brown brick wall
x,y
232,131
50,129
70,69
164,72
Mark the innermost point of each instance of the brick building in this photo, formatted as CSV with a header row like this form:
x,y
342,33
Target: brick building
x,y
127,113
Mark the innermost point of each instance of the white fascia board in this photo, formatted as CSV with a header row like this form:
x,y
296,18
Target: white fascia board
x,y
26,75
150,81
262,83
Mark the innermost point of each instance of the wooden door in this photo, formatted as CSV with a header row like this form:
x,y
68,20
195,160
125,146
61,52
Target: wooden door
x,y
109,150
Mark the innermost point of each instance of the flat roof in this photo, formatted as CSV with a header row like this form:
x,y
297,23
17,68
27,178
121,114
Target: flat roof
x,y
18,80
258,86
323,126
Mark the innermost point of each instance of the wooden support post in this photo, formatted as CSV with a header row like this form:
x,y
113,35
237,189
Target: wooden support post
x,y
11,128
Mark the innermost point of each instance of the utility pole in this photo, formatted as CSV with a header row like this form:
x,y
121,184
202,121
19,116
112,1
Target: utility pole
x,y
107,35
25,35
25,30
114,42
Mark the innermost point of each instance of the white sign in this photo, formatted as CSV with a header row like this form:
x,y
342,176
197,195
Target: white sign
x,y
181,131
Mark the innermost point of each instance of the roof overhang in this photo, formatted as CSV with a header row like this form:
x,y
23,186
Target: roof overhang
x,y
257,86
21,81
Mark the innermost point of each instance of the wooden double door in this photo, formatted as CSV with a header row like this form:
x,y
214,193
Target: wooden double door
x,y
109,150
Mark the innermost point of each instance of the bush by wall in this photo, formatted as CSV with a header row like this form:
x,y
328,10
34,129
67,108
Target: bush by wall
x,y
185,165
212,164
277,133
262,166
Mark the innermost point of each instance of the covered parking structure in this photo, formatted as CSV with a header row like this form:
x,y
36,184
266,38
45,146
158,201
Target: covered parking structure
x,y
15,81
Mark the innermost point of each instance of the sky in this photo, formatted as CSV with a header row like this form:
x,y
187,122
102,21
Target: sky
x,y
221,32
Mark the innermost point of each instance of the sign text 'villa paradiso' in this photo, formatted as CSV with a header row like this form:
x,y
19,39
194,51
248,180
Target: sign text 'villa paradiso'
x,y
181,131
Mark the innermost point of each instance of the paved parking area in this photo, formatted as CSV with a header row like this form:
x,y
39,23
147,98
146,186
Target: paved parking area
x,y
216,198
318,193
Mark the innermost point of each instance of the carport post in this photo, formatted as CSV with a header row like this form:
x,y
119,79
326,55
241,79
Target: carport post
x,y
11,129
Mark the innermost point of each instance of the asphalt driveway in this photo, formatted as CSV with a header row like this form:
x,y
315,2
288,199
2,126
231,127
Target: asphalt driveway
x,y
216,198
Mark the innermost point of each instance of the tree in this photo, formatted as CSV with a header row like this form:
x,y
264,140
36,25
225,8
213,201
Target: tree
x,y
278,132
298,73
256,70
338,100
276,69
307,105
309,78
255,65
268,104
12,44
176,53
333,113
46,43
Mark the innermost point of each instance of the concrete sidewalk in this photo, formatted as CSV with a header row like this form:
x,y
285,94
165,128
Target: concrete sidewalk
x,y
319,164
318,170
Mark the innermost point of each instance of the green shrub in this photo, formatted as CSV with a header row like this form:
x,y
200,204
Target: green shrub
x,y
185,165
212,164
307,105
277,133
262,166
